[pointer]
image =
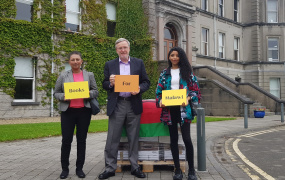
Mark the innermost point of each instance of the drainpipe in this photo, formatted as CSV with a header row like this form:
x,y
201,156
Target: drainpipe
x,y
215,33
52,66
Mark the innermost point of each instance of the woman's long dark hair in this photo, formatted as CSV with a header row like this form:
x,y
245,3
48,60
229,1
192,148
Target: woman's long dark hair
x,y
184,65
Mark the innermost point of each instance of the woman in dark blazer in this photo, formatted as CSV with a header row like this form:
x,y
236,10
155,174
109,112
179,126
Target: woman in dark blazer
x,y
75,112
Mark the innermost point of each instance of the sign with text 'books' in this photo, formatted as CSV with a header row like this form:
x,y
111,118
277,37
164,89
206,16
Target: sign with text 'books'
x,y
76,90
174,97
126,83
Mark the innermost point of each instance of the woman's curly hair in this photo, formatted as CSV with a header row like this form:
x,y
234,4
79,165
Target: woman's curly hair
x,y
184,65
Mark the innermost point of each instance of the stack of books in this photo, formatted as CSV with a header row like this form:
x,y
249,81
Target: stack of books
x,y
151,151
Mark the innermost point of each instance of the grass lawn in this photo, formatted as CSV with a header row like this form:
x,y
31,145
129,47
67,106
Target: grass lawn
x,y
13,132
212,119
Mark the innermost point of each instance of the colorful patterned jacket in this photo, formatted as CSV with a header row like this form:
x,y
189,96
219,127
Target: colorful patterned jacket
x,y
193,90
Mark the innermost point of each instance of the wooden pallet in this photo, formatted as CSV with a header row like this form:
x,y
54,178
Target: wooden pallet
x,y
148,165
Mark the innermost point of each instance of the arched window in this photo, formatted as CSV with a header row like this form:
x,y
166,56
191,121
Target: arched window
x,y
170,38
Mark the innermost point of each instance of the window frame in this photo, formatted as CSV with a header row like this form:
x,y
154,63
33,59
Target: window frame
x,y
167,41
236,50
111,23
204,3
67,66
236,10
221,8
27,2
33,61
278,89
73,12
222,45
272,49
270,11
205,42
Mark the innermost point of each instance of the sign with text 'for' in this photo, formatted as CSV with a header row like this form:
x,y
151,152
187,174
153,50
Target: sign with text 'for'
x,y
174,97
76,90
126,83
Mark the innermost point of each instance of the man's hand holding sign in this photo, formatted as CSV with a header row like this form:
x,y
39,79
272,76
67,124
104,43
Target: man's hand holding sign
x,y
126,83
174,98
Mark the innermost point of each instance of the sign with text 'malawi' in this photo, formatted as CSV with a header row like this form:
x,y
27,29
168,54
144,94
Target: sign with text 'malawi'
x,y
76,90
174,97
126,83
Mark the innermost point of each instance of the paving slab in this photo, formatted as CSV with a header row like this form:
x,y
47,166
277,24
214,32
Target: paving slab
x,y
39,159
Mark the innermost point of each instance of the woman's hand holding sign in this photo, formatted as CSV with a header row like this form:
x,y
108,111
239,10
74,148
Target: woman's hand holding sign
x,y
161,105
185,104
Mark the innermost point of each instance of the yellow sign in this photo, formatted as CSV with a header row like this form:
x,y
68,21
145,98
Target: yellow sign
x,y
126,83
76,90
174,97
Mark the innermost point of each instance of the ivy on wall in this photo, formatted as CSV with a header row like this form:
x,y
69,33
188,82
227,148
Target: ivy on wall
x,y
22,38
131,20
48,14
94,17
6,82
95,52
7,9
19,38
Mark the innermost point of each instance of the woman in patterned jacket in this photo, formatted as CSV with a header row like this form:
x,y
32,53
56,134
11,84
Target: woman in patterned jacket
x,y
179,75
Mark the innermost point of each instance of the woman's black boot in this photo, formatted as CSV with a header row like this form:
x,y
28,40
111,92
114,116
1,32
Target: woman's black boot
x,y
178,174
192,175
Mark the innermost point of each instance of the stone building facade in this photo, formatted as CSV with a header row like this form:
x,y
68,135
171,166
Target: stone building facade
x,y
241,39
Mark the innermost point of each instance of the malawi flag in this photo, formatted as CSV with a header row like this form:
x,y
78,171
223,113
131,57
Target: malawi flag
x,y
151,125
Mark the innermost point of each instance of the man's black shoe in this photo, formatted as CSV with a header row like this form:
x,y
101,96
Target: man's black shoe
x,y
80,174
106,175
178,175
63,175
138,173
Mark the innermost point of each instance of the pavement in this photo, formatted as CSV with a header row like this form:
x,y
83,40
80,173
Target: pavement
x,y
39,159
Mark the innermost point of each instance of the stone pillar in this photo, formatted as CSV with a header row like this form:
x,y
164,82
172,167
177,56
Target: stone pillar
x,y
160,34
189,40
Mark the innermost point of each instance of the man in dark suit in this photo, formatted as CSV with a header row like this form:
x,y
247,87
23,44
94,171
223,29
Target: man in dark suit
x,y
123,109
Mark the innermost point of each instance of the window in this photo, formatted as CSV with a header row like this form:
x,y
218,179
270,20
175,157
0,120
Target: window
x,y
221,45
236,10
24,74
170,38
236,48
273,49
221,8
72,15
275,86
67,66
205,42
272,11
204,5
111,19
24,10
